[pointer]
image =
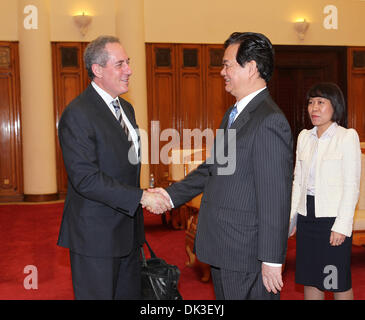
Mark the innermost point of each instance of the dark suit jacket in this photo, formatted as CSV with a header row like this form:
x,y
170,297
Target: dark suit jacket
x,y
102,210
244,216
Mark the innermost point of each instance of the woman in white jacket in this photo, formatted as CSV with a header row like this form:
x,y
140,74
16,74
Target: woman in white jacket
x,y
325,193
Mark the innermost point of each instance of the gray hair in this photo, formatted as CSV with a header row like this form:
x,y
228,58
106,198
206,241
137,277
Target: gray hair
x,y
95,53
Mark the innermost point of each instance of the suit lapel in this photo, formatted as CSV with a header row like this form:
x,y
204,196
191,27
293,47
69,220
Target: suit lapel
x,y
225,119
104,111
101,107
128,113
220,136
244,116
131,118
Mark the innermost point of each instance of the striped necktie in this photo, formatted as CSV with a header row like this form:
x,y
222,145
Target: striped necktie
x,y
118,112
119,115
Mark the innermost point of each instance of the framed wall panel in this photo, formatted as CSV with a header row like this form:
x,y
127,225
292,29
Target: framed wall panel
x,y
356,89
69,80
11,164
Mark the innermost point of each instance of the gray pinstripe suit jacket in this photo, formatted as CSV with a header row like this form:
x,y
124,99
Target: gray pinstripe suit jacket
x,y
244,216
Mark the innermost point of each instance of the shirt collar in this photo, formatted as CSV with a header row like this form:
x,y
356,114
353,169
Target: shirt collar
x,y
329,133
104,95
245,101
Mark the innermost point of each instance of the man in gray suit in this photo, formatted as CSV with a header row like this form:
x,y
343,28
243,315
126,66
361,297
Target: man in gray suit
x,y
244,215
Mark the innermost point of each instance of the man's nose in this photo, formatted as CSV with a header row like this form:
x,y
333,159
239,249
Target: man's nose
x,y
223,71
128,69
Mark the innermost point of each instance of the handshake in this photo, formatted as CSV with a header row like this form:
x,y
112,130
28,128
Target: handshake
x,y
156,200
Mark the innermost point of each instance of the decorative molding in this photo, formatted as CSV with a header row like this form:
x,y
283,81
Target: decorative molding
x,y
5,57
190,58
163,57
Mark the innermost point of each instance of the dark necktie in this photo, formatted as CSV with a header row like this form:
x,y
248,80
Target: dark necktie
x,y
232,115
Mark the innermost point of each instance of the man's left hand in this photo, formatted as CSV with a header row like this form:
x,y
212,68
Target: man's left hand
x,y
272,279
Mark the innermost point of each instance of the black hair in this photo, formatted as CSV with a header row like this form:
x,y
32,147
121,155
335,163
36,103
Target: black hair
x,y
254,46
332,92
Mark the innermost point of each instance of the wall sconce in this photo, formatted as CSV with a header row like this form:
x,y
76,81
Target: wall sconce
x,y
301,28
82,21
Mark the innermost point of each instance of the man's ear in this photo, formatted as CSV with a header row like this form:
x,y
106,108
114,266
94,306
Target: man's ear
x,y
97,70
252,68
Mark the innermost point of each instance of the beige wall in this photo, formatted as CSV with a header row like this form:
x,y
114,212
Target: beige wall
x,y
60,24
204,21
207,21
8,20
63,27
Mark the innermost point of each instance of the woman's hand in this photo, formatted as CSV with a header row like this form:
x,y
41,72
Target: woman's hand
x,y
336,239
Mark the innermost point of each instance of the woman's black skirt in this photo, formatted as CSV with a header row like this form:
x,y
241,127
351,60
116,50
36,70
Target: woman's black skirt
x,y
318,264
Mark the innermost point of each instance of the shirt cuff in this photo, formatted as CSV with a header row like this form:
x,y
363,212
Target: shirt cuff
x,y
172,204
270,264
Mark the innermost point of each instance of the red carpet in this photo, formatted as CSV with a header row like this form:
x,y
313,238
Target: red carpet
x,y
28,236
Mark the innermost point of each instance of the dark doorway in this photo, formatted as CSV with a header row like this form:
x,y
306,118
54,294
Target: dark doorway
x,y
297,68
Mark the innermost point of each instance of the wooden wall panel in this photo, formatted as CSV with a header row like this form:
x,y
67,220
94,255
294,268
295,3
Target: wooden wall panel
x,y
191,105
162,98
165,114
217,99
8,182
69,80
190,102
217,103
70,86
356,90
357,103
11,168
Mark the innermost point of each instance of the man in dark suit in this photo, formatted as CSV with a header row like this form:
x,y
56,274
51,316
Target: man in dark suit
x,y
244,214
102,223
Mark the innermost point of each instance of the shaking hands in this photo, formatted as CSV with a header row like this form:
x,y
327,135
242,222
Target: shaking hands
x,y
156,200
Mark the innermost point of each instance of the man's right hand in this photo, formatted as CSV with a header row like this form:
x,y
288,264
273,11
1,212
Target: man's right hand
x,y
161,191
155,202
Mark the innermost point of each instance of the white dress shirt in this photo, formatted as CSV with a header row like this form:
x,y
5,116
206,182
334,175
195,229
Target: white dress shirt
x,y
108,100
328,134
245,101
